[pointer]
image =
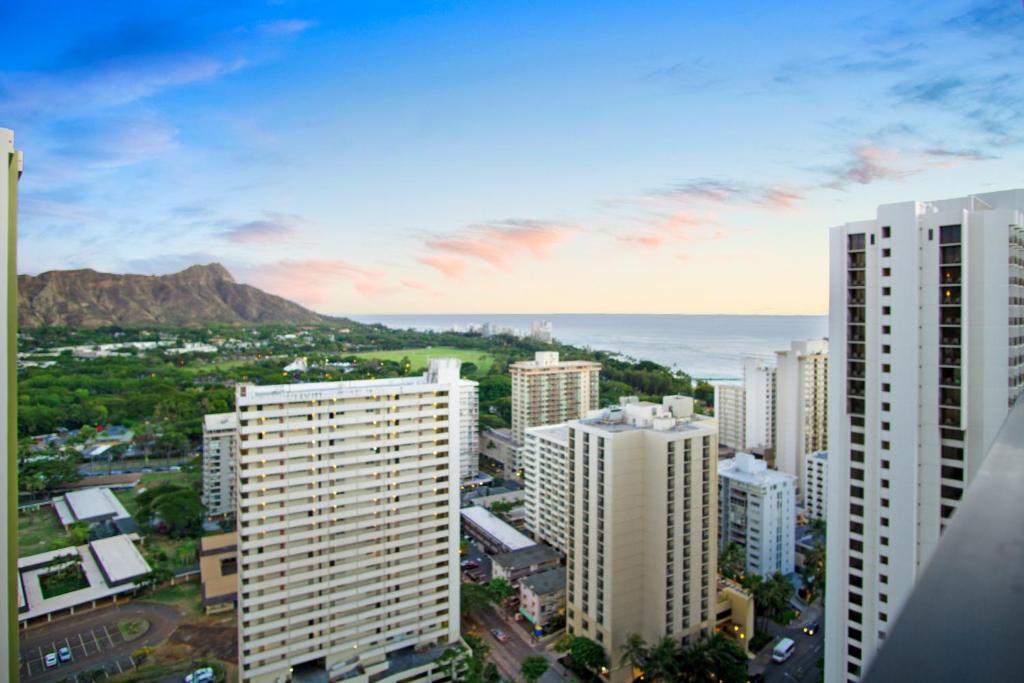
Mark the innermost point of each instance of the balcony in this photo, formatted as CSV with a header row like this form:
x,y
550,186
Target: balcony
x,y
962,620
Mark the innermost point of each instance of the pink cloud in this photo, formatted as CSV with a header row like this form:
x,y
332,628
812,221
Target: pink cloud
x,y
498,244
309,281
870,162
680,226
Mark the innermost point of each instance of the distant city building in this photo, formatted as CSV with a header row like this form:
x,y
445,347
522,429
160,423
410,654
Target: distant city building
x,y
220,435
348,527
469,426
757,511
642,523
925,326
548,391
517,564
801,406
545,460
759,386
496,535
731,412
541,330
816,493
10,172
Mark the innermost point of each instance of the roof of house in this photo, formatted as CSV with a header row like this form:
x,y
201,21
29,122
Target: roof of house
x,y
94,503
527,557
545,583
119,559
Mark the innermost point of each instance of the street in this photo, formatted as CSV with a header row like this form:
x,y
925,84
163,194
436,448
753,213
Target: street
x,y
508,656
94,640
803,665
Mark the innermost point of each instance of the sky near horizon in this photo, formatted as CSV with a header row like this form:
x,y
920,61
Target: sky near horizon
x,y
485,157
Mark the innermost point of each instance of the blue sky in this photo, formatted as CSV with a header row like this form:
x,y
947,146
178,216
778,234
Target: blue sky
x,y
500,157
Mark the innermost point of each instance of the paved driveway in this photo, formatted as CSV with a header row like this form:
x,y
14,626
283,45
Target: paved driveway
x,y
94,640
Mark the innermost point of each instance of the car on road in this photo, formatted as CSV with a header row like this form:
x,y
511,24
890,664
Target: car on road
x,y
200,676
811,628
64,654
469,564
500,635
783,650
50,660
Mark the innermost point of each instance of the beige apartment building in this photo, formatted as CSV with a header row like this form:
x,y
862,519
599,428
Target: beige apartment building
x,y
548,391
545,460
801,407
220,432
731,413
348,497
643,506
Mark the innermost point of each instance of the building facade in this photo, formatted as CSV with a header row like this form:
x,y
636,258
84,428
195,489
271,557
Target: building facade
x,y
731,412
642,522
499,452
547,391
816,490
220,436
469,424
757,511
348,525
801,406
10,172
545,460
926,331
542,596
759,383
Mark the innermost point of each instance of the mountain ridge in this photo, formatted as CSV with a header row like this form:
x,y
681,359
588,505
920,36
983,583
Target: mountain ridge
x,y
200,294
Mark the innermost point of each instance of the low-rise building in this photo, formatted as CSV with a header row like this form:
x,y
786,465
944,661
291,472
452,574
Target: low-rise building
x,y
499,451
542,596
816,495
494,534
93,506
757,511
545,461
218,570
516,564
735,615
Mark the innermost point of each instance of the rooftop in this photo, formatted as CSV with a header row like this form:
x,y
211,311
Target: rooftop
x,y
527,557
119,559
220,421
502,434
557,433
504,533
87,505
545,583
673,414
549,359
748,469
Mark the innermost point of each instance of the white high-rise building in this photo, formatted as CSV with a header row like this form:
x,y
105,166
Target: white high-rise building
x,y
731,412
348,499
927,354
816,491
757,511
469,424
220,433
10,172
759,385
545,460
642,522
801,406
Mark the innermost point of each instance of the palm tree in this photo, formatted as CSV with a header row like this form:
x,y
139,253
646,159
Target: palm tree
x,y
663,661
634,652
814,570
714,658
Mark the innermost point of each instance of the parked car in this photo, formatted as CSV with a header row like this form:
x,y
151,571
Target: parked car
x,y
469,564
783,650
201,676
811,628
64,654
500,635
50,660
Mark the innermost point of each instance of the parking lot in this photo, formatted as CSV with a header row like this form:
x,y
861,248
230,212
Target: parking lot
x,y
94,640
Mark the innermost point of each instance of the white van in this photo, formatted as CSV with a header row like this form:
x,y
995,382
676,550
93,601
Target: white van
x,y
783,650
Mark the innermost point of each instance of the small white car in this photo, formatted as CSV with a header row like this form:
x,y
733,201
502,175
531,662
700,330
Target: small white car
x,y
50,660
201,676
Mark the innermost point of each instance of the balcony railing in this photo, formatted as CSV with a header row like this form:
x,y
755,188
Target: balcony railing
x,y
962,620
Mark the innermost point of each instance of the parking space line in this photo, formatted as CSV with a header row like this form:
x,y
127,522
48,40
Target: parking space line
x,y
96,640
108,635
85,650
118,663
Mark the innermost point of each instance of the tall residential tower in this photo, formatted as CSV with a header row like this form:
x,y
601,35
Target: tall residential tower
x,y
643,509
927,354
801,406
348,499
548,391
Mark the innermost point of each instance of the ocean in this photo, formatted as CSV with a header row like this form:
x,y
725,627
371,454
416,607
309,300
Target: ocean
x,y
705,346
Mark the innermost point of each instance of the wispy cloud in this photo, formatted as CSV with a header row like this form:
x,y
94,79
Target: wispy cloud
x,y
869,163
497,244
273,227
312,281
731,193
287,27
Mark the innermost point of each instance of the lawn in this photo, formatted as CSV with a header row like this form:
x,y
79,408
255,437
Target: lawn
x,y
183,477
185,595
70,577
419,357
40,531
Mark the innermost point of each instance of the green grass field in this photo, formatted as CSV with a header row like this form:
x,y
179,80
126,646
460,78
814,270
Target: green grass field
x,y
419,357
40,531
